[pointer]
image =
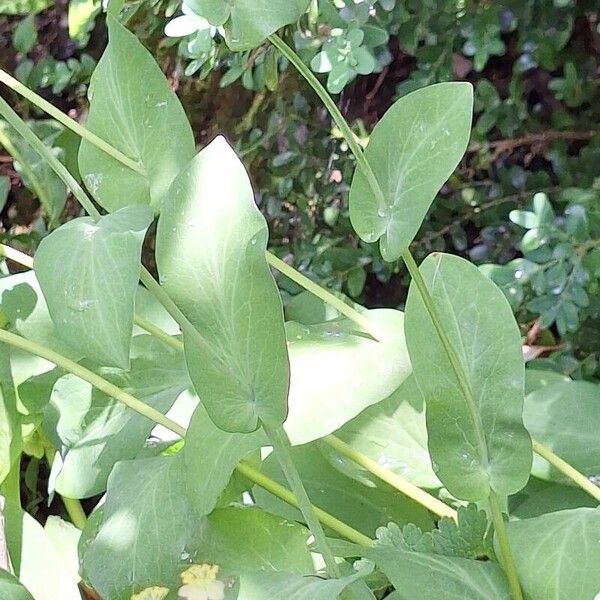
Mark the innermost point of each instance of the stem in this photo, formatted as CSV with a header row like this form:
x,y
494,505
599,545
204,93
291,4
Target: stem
x,y
80,130
287,496
408,489
281,446
159,333
507,559
34,141
322,293
566,469
337,116
16,256
92,378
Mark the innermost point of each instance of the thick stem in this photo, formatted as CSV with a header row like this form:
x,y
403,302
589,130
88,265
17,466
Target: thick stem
x,y
508,562
80,130
281,447
34,141
399,483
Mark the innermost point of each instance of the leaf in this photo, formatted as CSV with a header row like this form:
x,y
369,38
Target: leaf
x,y
336,372
10,422
81,19
477,442
247,23
361,507
92,302
243,540
25,35
4,190
393,433
95,431
11,589
144,530
36,558
288,586
145,122
412,150
210,250
211,456
431,577
536,379
557,555
23,7
564,417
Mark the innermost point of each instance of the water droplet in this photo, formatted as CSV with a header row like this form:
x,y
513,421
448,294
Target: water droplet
x,y
174,230
253,241
381,213
185,555
161,104
557,290
519,274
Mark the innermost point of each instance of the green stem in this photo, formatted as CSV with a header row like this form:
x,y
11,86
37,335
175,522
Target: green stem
x,y
566,469
336,114
281,447
507,559
323,294
34,141
399,483
80,130
159,333
92,378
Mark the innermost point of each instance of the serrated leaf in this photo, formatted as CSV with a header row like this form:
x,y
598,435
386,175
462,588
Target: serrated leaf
x,y
477,440
413,150
145,122
210,250
336,372
557,555
92,302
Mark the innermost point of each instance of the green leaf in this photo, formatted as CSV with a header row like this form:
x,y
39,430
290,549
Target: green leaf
x,y
477,439
23,7
413,150
564,417
393,433
557,555
145,527
92,302
364,508
211,456
81,19
25,35
431,577
145,122
247,23
4,190
11,589
94,431
243,540
210,250
10,422
336,372
288,586
536,379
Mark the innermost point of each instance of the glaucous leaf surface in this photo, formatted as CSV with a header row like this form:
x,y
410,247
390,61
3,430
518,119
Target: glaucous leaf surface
x,y
133,108
431,577
289,586
95,431
243,540
393,433
557,555
565,417
11,589
477,440
364,508
210,456
92,301
247,23
412,150
145,526
210,250
337,371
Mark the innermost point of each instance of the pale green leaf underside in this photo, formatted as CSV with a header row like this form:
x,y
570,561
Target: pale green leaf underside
x,y
412,150
557,555
11,589
210,251
89,273
336,372
491,450
133,108
565,417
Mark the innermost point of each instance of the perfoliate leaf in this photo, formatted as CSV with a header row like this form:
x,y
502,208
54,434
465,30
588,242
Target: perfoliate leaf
x,y
210,250
247,23
146,122
477,440
413,150
92,301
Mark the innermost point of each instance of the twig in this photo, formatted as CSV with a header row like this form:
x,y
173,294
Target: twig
x,y
505,145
